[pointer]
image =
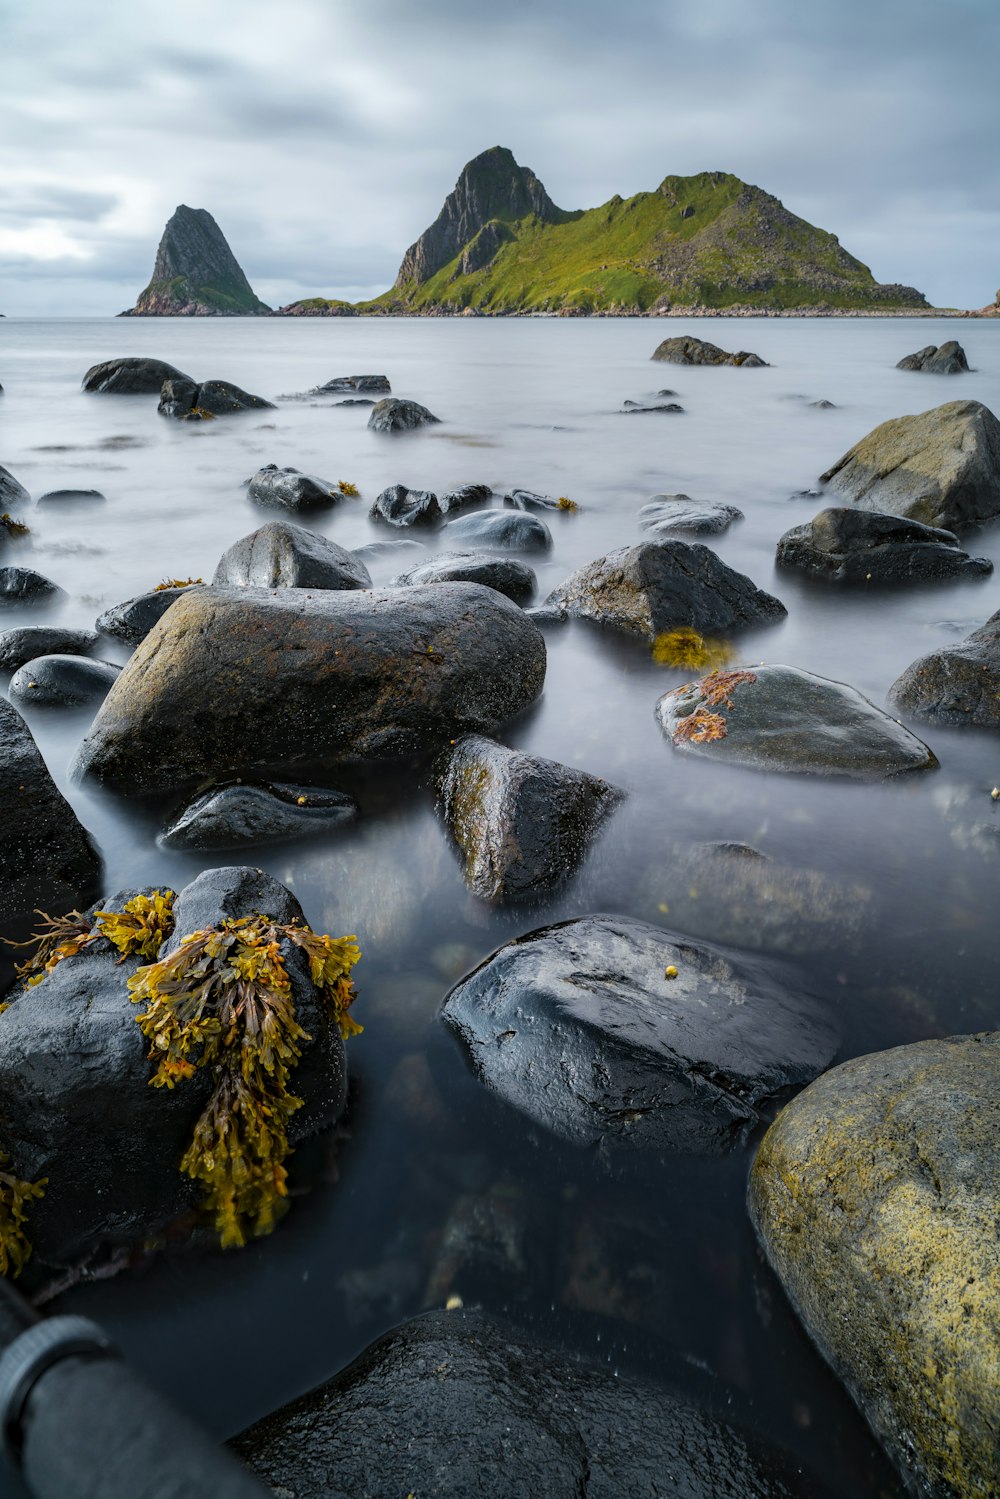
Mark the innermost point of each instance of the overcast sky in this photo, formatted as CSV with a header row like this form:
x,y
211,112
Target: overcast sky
x,y
324,134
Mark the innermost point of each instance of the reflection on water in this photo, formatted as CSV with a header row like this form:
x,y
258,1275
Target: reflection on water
x,y
883,895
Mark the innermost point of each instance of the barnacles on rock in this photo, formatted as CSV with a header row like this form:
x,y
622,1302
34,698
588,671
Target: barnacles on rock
x,y
15,1196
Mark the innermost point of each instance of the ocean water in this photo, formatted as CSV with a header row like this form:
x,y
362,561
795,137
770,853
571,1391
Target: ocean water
x,y
883,896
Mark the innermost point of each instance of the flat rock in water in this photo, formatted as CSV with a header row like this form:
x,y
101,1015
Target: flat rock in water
x,y
958,684
62,681
64,496
639,408
785,719
185,400
47,858
344,385
130,377
666,514
288,489
505,574
400,506
941,467
234,816
243,683
606,1030
280,555
948,359
875,1196
392,415
862,546
20,585
522,824
456,1404
27,642
659,586
132,620
465,497
12,491
499,531
687,350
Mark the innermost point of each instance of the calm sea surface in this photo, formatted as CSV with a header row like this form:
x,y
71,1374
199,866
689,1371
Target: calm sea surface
x,y
884,897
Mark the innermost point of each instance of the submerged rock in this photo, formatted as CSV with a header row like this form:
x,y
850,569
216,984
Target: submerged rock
x,y
20,585
782,718
523,824
501,531
27,642
288,489
610,1031
234,816
132,620
400,506
862,546
660,586
69,496
666,513
12,491
941,467
527,499
280,555
372,551
640,408
185,400
62,681
687,350
949,359
392,415
47,858
958,684
463,1405
505,574
237,683
875,1197
131,377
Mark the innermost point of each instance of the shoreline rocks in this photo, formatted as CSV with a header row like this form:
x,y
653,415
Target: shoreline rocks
x,y
499,530
957,684
666,514
282,555
688,350
228,817
863,546
62,681
130,377
133,619
28,641
400,506
393,415
288,489
949,359
506,574
186,401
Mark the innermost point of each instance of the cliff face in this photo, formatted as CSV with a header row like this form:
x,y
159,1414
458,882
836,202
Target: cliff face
x,y
196,274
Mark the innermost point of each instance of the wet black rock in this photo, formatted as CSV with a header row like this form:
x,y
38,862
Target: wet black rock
x,y
610,1031
861,546
660,586
20,585
666,514
392,415
185,400
353,384
687,350
639,408
355,401
465,497
243,683
62,681
132,620
499,531
234,816
522,824
956,685
948,359
280,555
131,377
27,642
456,1404
47,858
288,489
69,496
12,491
400,506
527,499
505,574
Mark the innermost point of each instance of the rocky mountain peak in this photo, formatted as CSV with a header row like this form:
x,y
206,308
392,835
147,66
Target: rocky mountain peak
x,y
196,273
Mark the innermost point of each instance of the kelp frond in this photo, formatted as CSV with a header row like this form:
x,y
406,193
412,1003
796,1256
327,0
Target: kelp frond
x,y
351,490
15,1197
686,649
57,937
141,927
223,1000
176,583
13,527
565,503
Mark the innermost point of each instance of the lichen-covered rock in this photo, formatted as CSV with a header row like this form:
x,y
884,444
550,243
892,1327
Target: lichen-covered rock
x,y
941,467
506,574
46,856
12,491
184,399
659,586
130,377
522,823
862,546
132,620
499,531
609,1031
785,719
288,489
959,684
400,506
688,350
21,585
281,555
392,415
239,683
666,514
24,644
949,359
875,1197
62,681
235,816
456,1404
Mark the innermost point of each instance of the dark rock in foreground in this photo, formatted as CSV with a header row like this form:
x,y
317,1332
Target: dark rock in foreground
x,y
958,684
457,1404
24,644
62,681
21,585
505,574
280,555
12,491
610,1031
392,415
246,683
523,824
666,514
288,489
47,857
132,620
861,546
235,816
687,350
660,586
781,718
130,377
499,530
187,401
400,506
949,359
875,1197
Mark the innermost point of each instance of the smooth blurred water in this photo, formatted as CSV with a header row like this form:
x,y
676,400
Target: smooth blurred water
x,y
889,890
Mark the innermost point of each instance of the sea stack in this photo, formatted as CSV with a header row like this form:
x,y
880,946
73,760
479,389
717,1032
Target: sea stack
x,y
196,274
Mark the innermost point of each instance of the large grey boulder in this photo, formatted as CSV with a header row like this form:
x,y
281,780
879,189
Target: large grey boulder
x,y
660,586
133,619
288,489
400,506
688,350
457,1404
948,359
184,400
875,1195
62,681
241,683
12,491
785,719
281,555
130,377
958,684
499,531
47,858
941,467
666,514
861,546
506,574
392,415
236,816
25,643
521,823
